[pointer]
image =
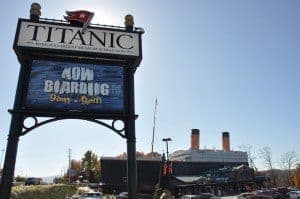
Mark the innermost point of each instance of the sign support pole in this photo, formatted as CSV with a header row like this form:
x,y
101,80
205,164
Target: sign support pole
x,y
131,142
16,127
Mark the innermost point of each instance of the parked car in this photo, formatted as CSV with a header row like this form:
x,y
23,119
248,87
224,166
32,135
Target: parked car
x,y
208,195
201,196
294,194
284,192
75,197
33,181
245,195
270,192
122,195
190,197
91,195
259,196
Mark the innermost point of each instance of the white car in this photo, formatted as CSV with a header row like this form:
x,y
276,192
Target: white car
x,y
122,195
294,194
190,196
201,196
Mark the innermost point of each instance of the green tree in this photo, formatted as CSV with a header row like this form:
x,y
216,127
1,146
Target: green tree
x,y
90,164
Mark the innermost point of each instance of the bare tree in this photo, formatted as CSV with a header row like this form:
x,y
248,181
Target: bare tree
x,y
287,161
251,155
266,156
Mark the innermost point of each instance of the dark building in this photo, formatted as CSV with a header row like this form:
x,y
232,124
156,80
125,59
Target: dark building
x,y
114,173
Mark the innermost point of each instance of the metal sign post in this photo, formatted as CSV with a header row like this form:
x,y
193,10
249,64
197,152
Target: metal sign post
x,y
16,127
131,141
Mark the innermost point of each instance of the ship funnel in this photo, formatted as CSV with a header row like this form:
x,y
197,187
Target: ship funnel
x,y
195,136
226,141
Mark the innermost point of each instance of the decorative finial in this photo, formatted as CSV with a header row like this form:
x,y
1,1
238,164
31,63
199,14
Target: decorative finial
x,y
129,22
35,11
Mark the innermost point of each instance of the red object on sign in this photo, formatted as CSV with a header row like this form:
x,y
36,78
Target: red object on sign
x,y
82,16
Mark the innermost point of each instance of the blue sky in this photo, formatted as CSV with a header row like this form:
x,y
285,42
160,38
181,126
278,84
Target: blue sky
x,y
213,65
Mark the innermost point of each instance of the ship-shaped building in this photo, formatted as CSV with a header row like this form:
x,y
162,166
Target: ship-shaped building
x,y
194,160
186,164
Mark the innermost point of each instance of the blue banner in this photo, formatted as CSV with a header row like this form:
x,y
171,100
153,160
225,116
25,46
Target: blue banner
x,y
66,86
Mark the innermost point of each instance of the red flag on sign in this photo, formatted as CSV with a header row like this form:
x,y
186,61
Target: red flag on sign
x,y
82,16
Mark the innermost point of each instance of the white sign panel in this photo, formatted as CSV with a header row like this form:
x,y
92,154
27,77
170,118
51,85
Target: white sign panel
x,y
96,40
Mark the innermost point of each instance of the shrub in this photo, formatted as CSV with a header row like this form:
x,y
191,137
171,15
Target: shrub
x,y
43,192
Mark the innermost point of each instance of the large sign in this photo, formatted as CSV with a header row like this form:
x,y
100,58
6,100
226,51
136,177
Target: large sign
x,y
65,86
42,35
71,72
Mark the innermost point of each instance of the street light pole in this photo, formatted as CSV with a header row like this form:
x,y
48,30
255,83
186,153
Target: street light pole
x,y
167,140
